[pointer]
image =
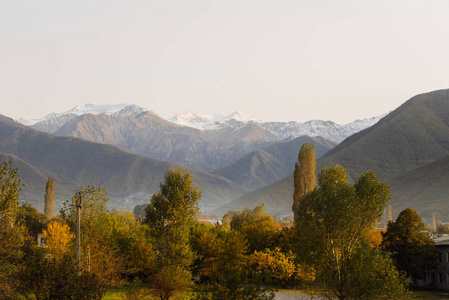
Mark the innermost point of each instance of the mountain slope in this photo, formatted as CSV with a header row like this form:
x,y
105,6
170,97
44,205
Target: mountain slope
x,y
34,181
264,167
131,179
155,137
424,189
414,134
277,199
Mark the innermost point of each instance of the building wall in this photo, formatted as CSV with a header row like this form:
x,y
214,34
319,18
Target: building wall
x,y
441,276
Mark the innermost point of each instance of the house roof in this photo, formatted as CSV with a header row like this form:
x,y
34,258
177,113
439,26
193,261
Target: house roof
x,y
442,241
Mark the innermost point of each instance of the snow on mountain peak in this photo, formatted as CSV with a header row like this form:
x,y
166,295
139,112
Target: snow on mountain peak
x,y
117,110
200,121
237,119
121,110
242,117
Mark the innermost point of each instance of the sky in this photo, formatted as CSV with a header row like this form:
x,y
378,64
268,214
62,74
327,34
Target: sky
x,y
280,60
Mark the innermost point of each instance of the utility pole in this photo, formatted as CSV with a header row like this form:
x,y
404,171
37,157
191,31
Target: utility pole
x,y
78,235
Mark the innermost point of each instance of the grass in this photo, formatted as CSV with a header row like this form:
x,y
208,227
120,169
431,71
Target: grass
x,y
116,293
430,295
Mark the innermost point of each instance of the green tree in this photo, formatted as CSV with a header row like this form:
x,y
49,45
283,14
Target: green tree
x,y
258,227
10,188
224,265
170,216
139,210
44,276
12,237
333,221
304,175
49,198
133,243
100,255
371,274
32,220
412,249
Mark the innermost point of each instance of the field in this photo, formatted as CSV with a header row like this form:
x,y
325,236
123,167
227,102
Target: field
x,y
119,294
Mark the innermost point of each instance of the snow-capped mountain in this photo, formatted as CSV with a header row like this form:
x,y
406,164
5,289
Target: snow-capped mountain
x,y
117,110
327,129
52,122
201,121
314,128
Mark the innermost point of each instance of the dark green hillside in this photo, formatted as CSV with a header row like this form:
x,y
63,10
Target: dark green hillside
x,y
264,167
129,178
416,133
276,197
255,170
287,151
425,189
34,180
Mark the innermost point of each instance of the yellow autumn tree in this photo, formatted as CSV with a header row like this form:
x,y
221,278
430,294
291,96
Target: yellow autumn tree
x,y
57,239
304,176
374,238
279,264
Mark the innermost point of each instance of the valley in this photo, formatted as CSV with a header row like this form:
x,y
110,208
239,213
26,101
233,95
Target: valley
x,y
237,160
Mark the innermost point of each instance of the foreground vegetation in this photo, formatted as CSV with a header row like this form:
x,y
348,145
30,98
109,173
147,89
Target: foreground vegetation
x,y
332,249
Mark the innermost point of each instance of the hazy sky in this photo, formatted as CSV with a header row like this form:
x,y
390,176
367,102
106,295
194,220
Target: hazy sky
x,y
277,60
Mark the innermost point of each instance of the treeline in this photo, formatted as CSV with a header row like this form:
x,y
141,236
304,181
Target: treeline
x,y
332,249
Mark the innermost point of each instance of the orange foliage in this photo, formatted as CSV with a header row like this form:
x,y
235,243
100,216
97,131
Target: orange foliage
x,y
374,238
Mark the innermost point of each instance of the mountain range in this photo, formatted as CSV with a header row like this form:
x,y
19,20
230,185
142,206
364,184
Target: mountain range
x,y
219,145
128,148
409,148
203,142
130,178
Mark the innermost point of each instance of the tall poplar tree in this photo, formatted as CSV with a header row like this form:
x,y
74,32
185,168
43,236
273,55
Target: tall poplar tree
x,y
49,198
304,175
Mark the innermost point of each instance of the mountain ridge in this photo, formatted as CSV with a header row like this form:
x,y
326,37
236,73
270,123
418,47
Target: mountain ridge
x,y
414,135
130,178
314,128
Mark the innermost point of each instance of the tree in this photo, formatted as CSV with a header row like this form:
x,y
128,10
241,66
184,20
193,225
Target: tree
x,y
169,216
139,210
280,265
10,188
32,220
224,265
371,274
44,276
441,229
333,221
411,248
258,227
49,198
99,255
58,239
11,237
133,243
304,175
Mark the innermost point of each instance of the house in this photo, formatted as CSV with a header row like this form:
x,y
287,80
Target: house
x,y
440,279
